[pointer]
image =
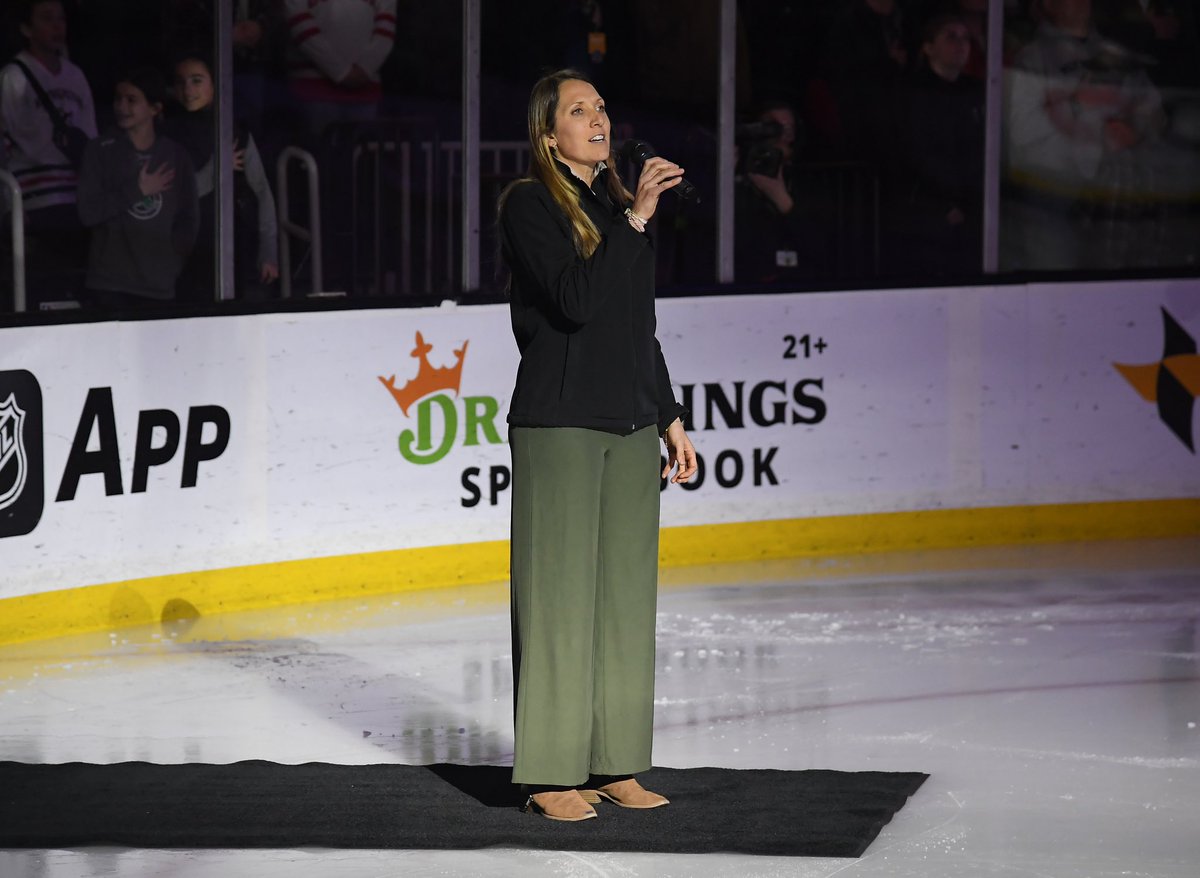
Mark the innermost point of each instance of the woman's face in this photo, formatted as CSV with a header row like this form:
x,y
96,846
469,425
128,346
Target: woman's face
x,y
950,49
193,85
581,128
131,107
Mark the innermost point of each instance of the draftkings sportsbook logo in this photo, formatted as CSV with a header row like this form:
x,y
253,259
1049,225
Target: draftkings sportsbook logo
x,y
1172,383
438,416
21,470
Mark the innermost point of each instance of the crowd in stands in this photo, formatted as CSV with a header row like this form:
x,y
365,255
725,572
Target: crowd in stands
x,y
1101,127
1103,138
107,121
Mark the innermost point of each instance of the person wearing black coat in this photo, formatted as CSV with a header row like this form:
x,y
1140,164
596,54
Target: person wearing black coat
x,y
937,210
592,398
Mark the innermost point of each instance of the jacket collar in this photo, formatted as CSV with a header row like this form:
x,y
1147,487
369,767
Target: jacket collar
x,y
599,183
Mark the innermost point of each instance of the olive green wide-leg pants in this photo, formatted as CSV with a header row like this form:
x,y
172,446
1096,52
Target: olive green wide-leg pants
x,y
584,572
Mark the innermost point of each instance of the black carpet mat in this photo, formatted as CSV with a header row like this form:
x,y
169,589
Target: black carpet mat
x,y
268,805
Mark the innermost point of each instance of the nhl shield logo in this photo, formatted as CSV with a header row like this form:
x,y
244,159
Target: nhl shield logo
x,y
22,463
14,460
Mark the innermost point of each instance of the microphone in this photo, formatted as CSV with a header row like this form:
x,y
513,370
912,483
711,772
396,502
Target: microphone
x,y
637,151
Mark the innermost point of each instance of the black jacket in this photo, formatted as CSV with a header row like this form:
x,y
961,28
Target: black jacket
x,y
584,327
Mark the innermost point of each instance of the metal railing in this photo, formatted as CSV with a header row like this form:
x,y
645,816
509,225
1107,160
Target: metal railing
x,y
500,161
389,195
289,229
403,189
382,279
405,209
17,219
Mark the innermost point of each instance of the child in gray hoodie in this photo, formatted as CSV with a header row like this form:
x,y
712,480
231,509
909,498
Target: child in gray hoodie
x,y
137,193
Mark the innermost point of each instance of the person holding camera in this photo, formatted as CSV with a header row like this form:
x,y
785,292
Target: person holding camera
x,y
771,237
46,118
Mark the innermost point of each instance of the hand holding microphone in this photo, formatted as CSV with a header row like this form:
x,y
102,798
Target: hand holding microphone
x,y
657,176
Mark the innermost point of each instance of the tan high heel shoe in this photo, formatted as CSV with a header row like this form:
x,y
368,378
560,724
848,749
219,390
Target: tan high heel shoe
x,y
567,805
626,793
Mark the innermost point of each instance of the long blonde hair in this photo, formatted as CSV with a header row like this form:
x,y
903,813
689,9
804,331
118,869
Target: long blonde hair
x,y
543,106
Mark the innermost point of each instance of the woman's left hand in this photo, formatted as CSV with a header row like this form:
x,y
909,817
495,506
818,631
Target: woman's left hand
x,y
657,176
680,453
268,272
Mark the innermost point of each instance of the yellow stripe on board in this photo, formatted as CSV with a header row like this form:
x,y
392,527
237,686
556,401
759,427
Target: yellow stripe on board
x,y
204,593
930,529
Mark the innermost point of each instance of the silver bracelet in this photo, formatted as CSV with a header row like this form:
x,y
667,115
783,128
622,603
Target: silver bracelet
x,y
636,221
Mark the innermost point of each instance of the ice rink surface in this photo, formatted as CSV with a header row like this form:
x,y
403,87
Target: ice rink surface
x,y
1052,693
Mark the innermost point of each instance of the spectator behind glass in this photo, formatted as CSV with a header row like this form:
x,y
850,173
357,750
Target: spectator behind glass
x,y
137,193
1092,181
936,214
56,242
256,36
773,240
255,231
335,52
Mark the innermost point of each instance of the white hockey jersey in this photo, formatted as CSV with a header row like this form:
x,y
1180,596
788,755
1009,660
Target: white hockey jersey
x,y
45,175
328,37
